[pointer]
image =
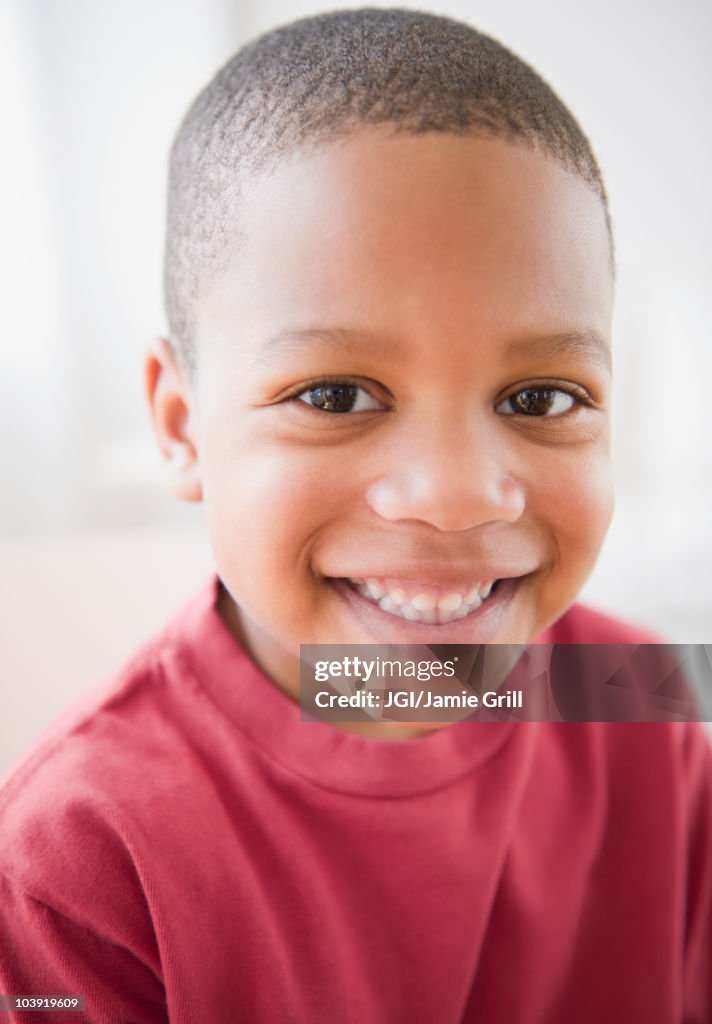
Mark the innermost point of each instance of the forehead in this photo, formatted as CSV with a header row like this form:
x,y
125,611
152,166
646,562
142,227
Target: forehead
x,y
414,235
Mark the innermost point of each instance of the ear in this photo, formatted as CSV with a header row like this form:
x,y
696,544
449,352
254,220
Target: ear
x,y
172,408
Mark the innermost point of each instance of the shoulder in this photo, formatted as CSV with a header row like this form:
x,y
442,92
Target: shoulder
x,y
79,807
72,860
680,749
584,625
61,820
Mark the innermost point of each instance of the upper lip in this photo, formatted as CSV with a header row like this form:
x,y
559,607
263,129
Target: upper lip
x,y
462,575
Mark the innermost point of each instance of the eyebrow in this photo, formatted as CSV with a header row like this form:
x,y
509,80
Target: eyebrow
x,y
586,345
344,338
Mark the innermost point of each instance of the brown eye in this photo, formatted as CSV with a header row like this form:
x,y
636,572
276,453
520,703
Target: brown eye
x,y
338,397
332,397
537,402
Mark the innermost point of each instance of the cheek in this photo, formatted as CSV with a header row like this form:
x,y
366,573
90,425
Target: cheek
x,y
265,506
574,508
580,513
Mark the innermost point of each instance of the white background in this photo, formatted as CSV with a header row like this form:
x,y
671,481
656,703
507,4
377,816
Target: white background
x,y
93,552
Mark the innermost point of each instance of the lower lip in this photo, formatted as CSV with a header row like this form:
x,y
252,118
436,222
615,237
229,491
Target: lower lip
x,y
479,627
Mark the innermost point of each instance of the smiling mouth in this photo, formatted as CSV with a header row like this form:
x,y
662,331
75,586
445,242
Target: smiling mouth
x,y
418,605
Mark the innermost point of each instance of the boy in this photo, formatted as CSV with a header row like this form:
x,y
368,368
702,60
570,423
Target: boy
x,y
389,282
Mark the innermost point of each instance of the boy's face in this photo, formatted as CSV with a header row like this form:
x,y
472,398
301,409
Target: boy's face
x,y
403,379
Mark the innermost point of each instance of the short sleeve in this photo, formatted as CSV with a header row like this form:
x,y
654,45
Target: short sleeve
x,y
44,952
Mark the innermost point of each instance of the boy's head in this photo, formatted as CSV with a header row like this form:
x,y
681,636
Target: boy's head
x,y
389,287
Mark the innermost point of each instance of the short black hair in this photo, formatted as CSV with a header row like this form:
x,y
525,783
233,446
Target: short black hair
x,y
323,77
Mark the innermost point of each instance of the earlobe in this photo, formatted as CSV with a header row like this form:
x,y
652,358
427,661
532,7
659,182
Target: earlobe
x,y
172,409
183,473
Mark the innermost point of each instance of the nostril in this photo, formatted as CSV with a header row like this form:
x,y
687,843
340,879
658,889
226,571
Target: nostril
x,y
450,505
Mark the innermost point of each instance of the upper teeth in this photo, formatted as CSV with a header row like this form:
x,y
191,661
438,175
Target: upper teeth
x,y
424,607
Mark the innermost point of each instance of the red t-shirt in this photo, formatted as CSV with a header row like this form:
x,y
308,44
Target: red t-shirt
x,y
187,849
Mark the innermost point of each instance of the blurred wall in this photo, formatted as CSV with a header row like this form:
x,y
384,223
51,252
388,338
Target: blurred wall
x,y
91,95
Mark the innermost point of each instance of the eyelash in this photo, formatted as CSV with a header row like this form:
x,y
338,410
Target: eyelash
x,y
576,392
326,382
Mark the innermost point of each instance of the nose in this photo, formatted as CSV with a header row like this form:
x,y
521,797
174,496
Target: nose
x,y
450,483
